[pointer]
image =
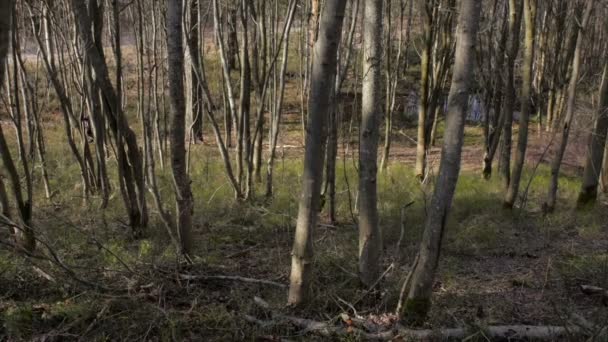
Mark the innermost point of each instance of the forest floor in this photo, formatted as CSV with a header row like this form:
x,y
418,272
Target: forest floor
x,y
497,266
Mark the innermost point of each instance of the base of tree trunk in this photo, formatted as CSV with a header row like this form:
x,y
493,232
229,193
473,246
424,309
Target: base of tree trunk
x,y
587,196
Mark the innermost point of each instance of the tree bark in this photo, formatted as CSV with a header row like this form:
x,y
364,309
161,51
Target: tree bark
x,y
370,235
130,161
425,76
183,193
549,205
25,235
195,58
275,120
323,75
597,142
515,14
526,96
418,302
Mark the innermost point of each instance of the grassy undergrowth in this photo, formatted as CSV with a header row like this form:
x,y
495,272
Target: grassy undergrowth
x,y
514,267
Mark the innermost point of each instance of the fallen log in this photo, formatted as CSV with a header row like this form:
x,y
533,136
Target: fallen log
x,y
504,332
498,332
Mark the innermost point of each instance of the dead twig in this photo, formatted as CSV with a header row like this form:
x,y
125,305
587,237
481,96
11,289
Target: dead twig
x,y
192,277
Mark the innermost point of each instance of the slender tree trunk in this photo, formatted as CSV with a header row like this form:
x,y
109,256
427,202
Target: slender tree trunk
x,y
130,161
197,89
597,142
401,62
526,97
496,122
275,121
323,76
418,301
24,234
515,9
425,76
370,235
233,41
549,205
183,193
246,147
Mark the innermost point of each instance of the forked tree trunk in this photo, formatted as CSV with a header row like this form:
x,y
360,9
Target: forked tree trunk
x,y
418,301
505,121
526,96
24,234
183,193
370,235
515,9
597,142
129,156
275,119
549,205
323,75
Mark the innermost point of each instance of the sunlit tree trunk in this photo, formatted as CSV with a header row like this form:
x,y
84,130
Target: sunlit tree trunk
x,y
597,142
415,307
426,8
526,97
322,78
370,235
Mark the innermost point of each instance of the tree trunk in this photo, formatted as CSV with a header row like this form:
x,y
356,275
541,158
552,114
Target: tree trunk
x,y
183,194
494,124
370,236
24,234
246,147
515,9
197,89
130,161
278,107
418,301
323,75
597,142
425,75
549,205
526,96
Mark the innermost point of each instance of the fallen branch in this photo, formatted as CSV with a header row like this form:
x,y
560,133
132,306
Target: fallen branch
x,y
506,332
595,290
231,278
501,332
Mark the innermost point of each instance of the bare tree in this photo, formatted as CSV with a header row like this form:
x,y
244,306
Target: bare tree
x,y
24,233
196,92
597,142
183,193
275,117
370,235
526,97
322,79
549,205
503,129
417,303
129,157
